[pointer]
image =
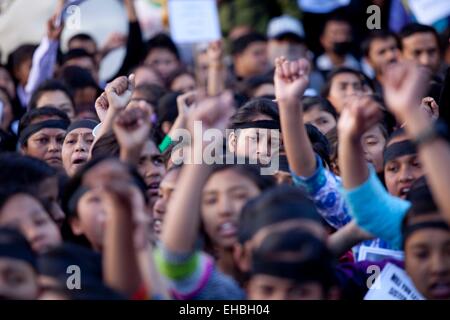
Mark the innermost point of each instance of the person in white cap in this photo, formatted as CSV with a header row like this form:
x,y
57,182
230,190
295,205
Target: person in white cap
x,y
287,38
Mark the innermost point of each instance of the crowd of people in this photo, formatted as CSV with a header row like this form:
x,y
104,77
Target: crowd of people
x,y
97,175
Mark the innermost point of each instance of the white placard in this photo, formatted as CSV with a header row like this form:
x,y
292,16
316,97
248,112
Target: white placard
x,y
194,21
393,284
378,254
63,14
429,11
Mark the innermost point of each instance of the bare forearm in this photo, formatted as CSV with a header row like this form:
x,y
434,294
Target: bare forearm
x,y
120,261
107,123
347,237
131,10
215,81
182,221
298,147
352,163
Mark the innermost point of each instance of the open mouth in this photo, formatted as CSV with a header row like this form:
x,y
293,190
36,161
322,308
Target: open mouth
x,y
404,192
157,226
227,229
440,290
78,161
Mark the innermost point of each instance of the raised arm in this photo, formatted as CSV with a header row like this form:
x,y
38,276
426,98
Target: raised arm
x,y
291,80
115,98
44,58
134,44
216,69
405,85
374,210
182,220
357,118
346,238
120,260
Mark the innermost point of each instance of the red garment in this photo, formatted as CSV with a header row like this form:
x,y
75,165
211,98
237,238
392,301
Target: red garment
x,y
347,257
140,294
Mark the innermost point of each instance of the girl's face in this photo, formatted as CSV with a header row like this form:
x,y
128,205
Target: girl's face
x,y
373,143
401,172
427,262
151,167
256,144
165,191
57,99
268,287
92,206
75,149
322,120
46,144
28,215
90,220
343,86
183,83
163,61
223,197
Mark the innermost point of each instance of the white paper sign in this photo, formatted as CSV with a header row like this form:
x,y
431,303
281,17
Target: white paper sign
x,y
393,284
429,11
194,21
378,254
63,14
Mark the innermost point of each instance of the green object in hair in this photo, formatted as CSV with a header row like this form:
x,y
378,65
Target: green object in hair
x,y
165,144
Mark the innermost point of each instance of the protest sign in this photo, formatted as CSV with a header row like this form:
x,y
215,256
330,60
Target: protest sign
x,y
393,284
194,21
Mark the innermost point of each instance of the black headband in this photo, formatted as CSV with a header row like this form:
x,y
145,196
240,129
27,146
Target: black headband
x,y
18,252
88,124
398,149
262,124
73,201
408,230
33,128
